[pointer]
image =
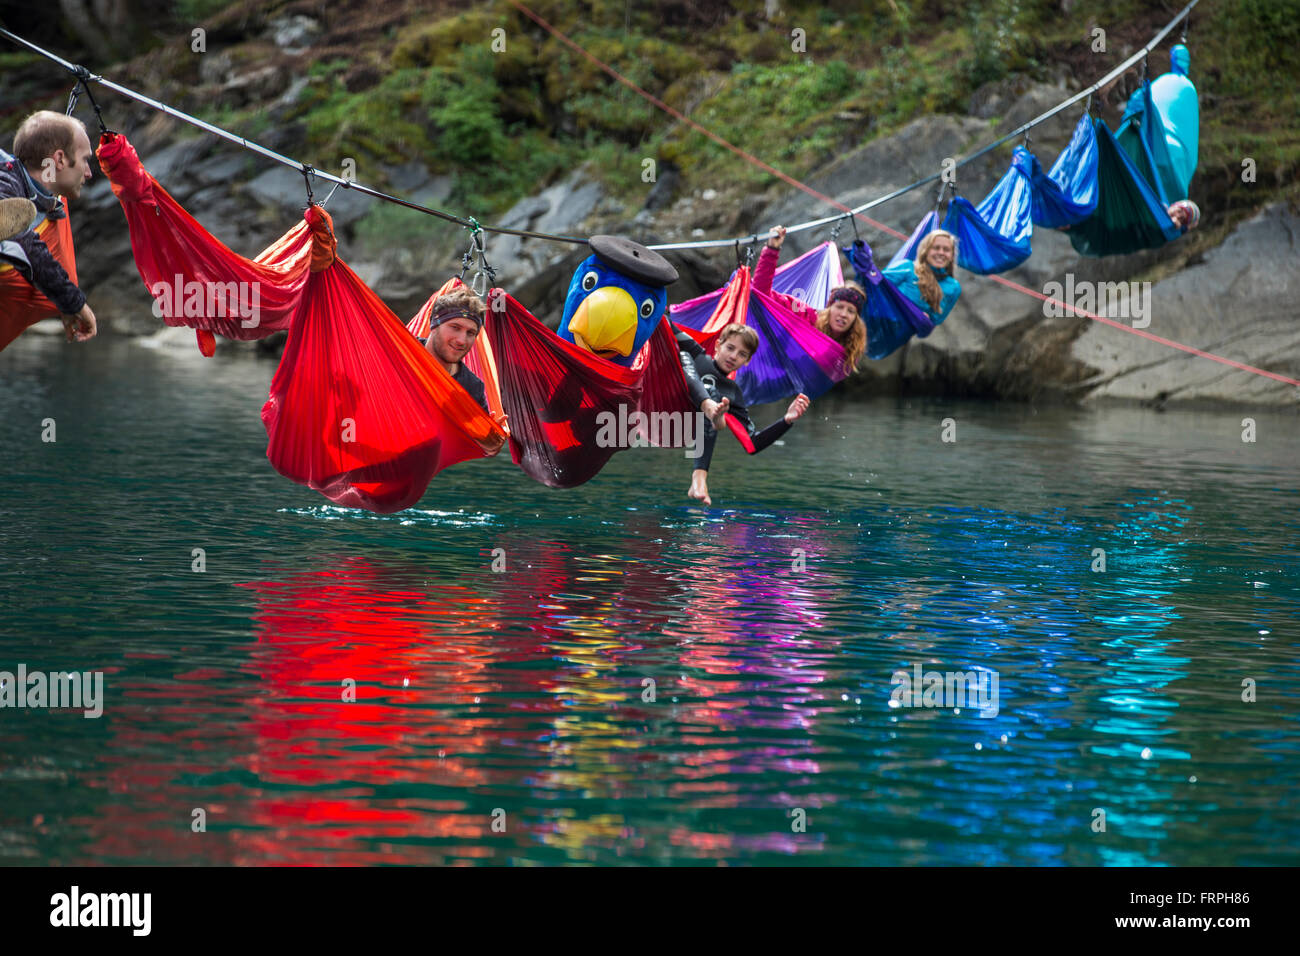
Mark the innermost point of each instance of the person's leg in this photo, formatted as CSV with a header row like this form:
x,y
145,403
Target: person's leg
x,y
16,216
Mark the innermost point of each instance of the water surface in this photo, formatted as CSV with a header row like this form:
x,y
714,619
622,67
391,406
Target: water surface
x,y
769,624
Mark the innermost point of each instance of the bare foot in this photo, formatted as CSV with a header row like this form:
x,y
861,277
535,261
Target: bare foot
x,y
700,491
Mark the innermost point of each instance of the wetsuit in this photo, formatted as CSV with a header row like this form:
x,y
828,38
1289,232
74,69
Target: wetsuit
x,y
705,380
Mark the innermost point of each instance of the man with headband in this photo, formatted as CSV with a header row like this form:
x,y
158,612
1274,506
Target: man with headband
x,y
454,323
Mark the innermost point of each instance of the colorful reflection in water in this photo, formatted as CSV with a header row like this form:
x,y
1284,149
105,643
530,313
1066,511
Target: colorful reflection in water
x,y
644,681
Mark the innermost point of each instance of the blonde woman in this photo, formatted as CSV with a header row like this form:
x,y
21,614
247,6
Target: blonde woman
x,y
842,317
928,280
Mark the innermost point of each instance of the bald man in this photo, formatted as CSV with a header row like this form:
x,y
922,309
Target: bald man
x,y
51,159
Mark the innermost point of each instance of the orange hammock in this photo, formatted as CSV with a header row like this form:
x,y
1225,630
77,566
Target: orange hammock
x,y
21,304
195,280
358,410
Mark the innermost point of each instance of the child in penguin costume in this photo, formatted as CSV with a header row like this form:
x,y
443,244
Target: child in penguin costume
x,y
616,298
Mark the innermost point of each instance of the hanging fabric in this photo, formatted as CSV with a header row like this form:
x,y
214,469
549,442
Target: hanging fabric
x,y
1142,135
1067,193
559,396
1130,215
793,355
358,410
1175,99
809,278
995,235
195,279
891,317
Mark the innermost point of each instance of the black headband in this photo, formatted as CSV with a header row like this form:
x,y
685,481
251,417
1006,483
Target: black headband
x,y
455,312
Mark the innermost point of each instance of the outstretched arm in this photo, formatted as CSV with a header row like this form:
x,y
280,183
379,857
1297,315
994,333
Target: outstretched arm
x,y
762,439
765,270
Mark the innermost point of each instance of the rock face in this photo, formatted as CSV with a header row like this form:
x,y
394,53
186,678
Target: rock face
x,y
1240,303
1236,300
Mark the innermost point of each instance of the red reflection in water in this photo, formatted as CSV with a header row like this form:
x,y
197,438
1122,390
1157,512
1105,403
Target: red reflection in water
x,y
468,700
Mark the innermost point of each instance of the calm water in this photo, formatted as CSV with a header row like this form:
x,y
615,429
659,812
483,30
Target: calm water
x,y
519,697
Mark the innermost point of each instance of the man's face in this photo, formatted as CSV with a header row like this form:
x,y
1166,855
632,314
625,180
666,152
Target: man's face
x,y
70,171
731,354
450,341
1179,216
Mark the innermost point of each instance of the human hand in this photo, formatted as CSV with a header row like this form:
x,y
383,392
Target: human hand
x,y
81,326
797,407
776,237
494,441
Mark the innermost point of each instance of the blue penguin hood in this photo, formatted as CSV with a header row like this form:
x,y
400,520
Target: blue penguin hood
x,y
592,274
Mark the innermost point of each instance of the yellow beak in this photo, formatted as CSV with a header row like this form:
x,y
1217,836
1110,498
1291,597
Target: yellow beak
x,y
605,322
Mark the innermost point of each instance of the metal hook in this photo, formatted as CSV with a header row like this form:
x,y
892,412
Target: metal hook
x,y
308,174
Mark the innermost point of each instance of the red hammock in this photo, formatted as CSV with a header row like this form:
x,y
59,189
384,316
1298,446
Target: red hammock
x,y
555,392
21,304
197,281
358,410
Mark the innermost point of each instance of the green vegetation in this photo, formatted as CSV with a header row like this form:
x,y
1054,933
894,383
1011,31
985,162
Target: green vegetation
x,y
489,98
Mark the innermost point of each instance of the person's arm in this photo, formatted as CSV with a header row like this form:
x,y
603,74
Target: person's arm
x,y
951,290
765,270
49,277
688,350
762,439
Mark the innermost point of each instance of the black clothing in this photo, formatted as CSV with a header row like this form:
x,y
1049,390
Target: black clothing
x,y
28,253
706,380
472,384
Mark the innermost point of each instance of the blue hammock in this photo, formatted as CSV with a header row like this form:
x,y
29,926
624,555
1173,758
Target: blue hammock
x,y
1067,193
994,236
891,317
1130,214
1142,135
